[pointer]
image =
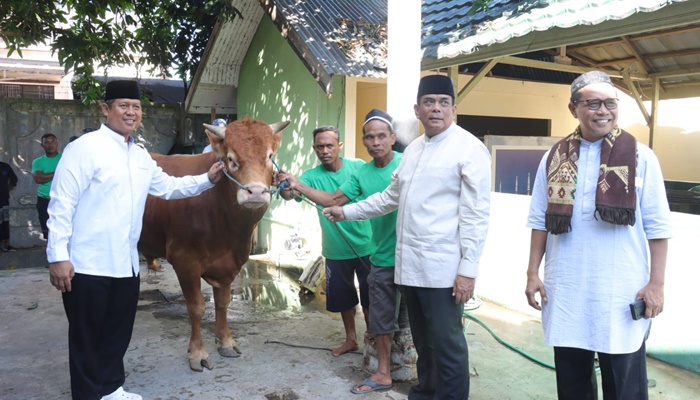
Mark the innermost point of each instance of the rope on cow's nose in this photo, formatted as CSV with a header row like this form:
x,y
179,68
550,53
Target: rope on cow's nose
x,y
225,171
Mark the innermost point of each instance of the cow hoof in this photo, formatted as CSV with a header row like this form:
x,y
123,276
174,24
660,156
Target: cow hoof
x,y
231,352
197,365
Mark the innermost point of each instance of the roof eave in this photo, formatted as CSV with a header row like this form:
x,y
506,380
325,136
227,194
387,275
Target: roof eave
x,y
203,62
674,15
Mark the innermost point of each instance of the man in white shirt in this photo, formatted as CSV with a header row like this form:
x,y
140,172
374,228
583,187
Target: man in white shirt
x,y
98,197
598,203
441,189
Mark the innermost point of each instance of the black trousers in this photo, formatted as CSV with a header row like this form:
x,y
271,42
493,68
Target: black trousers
x,y
42,207
624,376
101,312
443,357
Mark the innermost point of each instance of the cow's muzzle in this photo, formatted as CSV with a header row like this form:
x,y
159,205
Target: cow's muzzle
x,y
255,197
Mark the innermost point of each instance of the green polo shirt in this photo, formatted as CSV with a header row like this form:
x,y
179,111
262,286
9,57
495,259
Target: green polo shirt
x,y
367,181
46,165
358,233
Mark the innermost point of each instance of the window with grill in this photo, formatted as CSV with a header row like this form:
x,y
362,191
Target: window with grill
x,y
27,91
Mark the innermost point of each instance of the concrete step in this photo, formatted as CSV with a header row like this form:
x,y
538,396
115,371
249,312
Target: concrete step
x,y
23,258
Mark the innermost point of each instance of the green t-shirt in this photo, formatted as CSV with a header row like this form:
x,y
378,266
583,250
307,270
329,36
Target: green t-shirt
x,y
367,181
358,233
46,165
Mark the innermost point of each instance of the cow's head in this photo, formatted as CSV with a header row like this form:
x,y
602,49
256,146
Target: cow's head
x,y
247,148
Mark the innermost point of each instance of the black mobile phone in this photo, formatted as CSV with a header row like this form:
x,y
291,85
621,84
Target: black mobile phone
x,y
637,309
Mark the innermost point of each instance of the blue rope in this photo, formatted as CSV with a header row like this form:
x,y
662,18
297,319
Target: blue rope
x,y
283,185
225,170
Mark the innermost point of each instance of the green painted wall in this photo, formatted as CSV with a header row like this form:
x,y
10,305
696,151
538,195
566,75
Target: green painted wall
x,y
274,85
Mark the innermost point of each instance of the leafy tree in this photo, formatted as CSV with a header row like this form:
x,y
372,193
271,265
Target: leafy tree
x,y
167,34
478,5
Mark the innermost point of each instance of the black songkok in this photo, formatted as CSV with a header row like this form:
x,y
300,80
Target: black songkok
x,y
123,90
435,84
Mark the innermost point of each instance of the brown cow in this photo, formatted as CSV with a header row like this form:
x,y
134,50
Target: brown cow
x,y
209,236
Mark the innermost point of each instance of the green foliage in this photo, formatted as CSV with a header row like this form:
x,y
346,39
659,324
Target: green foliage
x,y
478,5
170,34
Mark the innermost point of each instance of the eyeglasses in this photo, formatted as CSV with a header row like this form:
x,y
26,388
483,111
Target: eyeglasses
x,y
595,104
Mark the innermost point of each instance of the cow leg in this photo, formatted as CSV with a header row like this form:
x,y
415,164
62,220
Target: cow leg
x,y
227,346
192,290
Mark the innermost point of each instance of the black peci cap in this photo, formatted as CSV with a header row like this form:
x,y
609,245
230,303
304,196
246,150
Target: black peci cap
x,y
435,84
123,90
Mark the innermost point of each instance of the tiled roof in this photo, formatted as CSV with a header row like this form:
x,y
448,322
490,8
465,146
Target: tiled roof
x,y
448,30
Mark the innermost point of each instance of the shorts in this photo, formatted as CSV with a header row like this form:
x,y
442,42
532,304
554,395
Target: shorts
x,y
384,297
341,294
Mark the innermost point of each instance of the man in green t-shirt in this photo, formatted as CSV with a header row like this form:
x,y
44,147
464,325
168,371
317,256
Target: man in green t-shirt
x,y
344,259
378,136
42,170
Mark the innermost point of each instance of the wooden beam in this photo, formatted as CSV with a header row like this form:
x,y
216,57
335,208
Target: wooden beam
x,y
453,73
476,79
637,54
582,60
628,60
677,73
642,36
595,45
672,54
523,62
636,95
667,32
654,111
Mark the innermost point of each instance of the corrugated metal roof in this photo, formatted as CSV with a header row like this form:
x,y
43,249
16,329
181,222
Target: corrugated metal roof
x,y
448,31
342,35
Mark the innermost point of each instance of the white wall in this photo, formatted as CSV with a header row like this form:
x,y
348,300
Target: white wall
x,y
502,272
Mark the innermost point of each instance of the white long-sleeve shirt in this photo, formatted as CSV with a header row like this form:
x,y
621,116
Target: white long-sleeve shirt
x,y
97,203
442,189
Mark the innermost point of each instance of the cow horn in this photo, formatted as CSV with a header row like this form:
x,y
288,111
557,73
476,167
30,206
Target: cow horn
x,y
219,131
278,126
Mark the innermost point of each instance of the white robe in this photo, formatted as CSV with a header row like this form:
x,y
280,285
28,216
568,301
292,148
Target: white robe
x,y
594,272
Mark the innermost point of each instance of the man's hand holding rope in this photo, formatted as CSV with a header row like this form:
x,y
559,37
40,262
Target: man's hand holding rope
x,y
334,214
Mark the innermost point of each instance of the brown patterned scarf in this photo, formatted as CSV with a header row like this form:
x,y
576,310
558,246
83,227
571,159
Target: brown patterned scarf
x,y
615,199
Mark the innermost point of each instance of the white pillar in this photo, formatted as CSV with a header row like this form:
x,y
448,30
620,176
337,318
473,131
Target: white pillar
x,y
404,65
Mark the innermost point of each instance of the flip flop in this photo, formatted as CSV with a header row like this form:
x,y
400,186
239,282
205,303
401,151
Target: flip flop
x,y
372,386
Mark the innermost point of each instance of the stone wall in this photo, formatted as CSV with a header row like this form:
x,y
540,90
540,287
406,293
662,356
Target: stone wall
x,y
164,128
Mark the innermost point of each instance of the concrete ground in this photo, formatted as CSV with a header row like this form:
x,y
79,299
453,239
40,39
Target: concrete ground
x,y
285,339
